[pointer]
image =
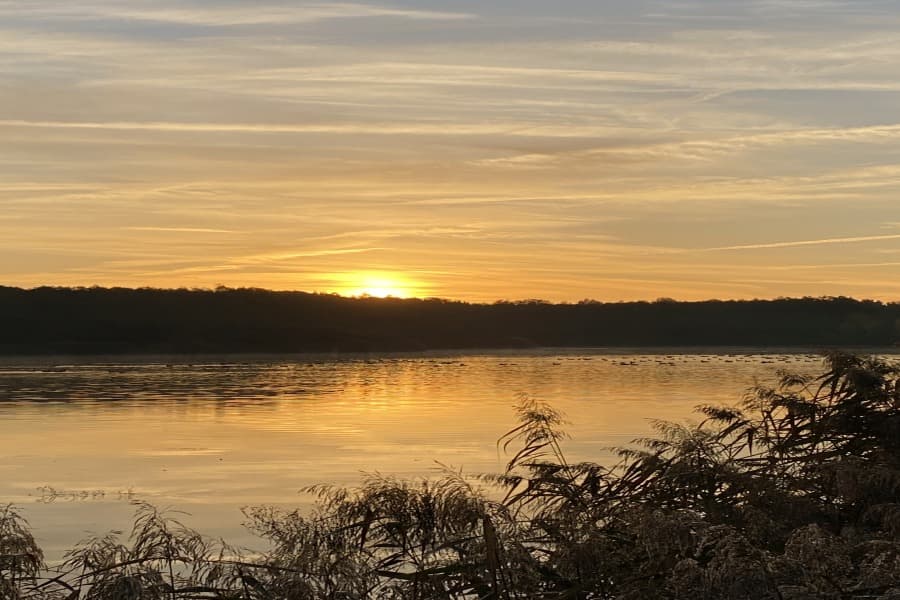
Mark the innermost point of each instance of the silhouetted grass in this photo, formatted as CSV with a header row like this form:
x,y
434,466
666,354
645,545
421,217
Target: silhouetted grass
x,y
793,494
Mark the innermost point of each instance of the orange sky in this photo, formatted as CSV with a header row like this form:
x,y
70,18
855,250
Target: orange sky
x,y
468,150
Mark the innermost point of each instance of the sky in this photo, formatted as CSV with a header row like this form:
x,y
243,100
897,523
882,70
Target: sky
x,y
514,149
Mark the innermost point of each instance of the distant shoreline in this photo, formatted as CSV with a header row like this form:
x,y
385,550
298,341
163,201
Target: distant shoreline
x,y
132,322
245,357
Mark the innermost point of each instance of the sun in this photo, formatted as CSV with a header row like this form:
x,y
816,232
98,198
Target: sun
x,y
385,290
377,285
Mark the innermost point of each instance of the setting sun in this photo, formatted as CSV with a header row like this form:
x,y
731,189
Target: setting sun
x,y
381,290
377,285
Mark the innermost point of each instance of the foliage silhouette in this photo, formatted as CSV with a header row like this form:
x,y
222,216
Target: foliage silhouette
x,y
116,320
21,560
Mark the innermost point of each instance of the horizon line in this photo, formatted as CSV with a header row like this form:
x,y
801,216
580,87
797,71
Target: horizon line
x,y
368,297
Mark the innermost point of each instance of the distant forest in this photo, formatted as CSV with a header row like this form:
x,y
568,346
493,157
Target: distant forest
x,y
119,320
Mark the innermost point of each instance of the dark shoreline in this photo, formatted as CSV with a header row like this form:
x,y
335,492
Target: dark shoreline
x,y
561,351
120,322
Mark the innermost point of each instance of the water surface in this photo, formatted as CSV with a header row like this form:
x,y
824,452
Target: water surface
x,y
78,438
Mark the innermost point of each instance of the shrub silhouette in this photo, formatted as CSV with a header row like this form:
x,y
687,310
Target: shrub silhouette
x,y
21,560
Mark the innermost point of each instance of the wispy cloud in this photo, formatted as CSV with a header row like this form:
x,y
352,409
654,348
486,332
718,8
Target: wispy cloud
x,y
220,15
636,149
395,128
295,254
821,242
182,230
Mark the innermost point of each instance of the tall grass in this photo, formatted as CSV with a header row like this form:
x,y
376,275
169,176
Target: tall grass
x,y
792,494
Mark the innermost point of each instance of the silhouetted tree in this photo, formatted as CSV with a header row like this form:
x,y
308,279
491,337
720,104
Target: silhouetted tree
x,y
100,320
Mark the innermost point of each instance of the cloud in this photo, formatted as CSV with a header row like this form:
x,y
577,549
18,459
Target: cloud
x,y
221,15
637,149
834,266
182,230
294,254
384,128
821,242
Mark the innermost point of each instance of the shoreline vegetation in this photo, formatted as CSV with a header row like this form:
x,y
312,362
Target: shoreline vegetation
x,y
73,321
794,494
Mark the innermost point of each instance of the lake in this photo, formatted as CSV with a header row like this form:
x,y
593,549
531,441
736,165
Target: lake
x,y
208,435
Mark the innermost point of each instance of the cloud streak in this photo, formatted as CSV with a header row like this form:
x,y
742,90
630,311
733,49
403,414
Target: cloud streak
x,y
516,129
181,230
221,15
797,244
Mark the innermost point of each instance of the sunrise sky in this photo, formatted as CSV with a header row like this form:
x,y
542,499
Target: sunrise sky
x,y
472,150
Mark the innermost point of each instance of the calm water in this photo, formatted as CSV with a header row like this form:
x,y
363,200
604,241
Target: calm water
x,y
210,436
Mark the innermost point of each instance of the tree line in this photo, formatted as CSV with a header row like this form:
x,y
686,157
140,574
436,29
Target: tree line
x,y
113,320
